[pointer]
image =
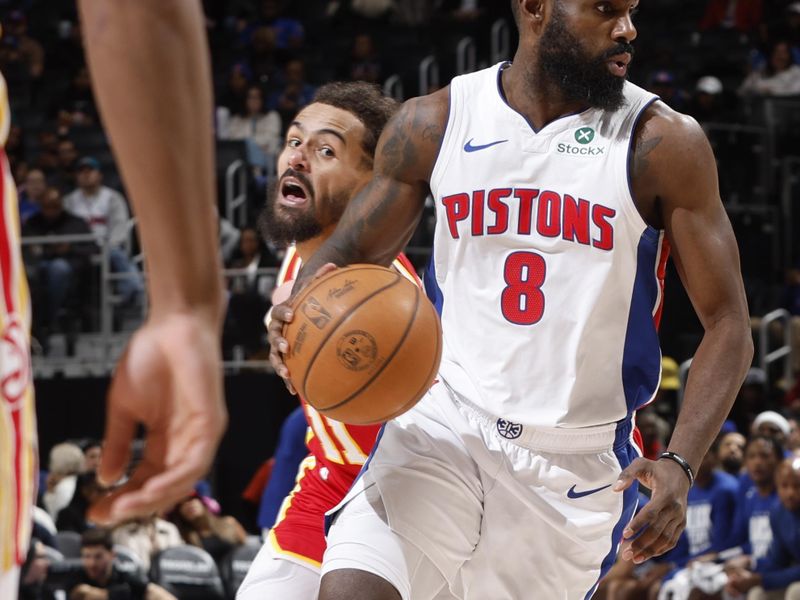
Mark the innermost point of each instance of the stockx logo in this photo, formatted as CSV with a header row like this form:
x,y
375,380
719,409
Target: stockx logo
x,y
584,136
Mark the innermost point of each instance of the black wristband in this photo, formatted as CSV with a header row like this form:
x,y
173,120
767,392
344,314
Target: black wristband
x,y
677,458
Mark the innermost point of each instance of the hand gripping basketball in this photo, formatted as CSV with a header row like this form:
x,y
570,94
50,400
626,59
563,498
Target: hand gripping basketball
x,y
363,345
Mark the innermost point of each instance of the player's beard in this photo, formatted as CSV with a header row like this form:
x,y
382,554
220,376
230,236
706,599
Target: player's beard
x,y
282,225
580,77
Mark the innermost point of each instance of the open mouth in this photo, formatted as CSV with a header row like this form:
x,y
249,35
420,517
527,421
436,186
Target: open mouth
x,y
618,65
292,193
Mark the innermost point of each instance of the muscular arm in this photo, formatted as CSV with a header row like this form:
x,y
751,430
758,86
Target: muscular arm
x,y
149,66
151,74
675,186
380,220
675,173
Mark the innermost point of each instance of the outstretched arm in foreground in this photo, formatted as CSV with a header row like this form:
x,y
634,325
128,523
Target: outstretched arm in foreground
x,y
674,168
149,65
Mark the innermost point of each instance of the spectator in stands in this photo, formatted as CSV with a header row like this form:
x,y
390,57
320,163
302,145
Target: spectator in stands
x,y
751,531
743,16
200,527
107,214
92,454
47,160
262,55
289,32
235,94
34,573
776,576
57,272
146,537
17,42
365,64
248,294
772,424
260,128
780,77
654,432
73,516
31,193
99,578
730,453
708,103
66,462
664,85
66,166
751,399
76,107
296,92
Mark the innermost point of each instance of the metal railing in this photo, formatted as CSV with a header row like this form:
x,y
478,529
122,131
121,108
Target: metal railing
x,y
236,196
466,56
500,48
97,350
428,75
393,87
767,357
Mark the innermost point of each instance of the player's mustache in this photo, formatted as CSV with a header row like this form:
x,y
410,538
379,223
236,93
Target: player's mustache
x,y
620,48
301,177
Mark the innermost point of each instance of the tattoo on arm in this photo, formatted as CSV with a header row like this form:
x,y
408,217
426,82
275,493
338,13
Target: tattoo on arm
x,y
644,146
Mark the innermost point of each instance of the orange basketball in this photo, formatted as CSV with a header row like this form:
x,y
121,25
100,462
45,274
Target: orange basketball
x,y
364,344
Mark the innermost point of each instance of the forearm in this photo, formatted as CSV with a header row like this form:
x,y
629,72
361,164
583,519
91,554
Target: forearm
x,y
716,374
374,228
148,62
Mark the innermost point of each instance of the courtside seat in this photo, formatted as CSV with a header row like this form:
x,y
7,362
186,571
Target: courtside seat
x,y
127,561
69,543
187,572
235,565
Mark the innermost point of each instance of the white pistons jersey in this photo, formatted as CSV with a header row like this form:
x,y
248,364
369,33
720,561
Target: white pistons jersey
x,y
548,281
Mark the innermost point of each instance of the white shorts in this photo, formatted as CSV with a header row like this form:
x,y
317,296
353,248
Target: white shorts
x,y
274,576
499,510
9,583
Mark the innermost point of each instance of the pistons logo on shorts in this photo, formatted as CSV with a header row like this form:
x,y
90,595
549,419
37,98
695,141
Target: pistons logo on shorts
x,y
509,430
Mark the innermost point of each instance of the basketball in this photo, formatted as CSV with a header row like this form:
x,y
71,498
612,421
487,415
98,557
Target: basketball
x,y
364,344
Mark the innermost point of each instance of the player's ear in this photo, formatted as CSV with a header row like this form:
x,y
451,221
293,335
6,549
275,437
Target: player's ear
x,y
532,9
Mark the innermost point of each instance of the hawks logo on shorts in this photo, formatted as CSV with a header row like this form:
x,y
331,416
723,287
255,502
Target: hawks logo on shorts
x,y
337,450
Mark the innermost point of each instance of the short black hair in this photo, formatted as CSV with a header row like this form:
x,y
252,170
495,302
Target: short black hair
x,y
97,536
366,102
777,448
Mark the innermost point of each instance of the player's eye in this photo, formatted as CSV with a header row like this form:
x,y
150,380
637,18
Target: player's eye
x,y
327,152
292,143
605,8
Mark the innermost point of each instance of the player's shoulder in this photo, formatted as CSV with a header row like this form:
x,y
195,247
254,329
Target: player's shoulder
x,y
673,127
424,111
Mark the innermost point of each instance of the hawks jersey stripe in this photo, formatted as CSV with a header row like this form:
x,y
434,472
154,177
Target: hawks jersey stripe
x,y
18,456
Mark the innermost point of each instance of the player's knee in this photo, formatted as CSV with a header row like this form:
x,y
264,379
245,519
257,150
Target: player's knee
x,y
354,584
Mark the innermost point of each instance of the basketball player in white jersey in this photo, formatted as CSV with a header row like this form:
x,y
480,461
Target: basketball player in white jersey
x,y
559,188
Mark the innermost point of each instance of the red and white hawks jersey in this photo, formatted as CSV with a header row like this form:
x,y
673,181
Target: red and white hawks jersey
x,y
339,447
18,453
547,279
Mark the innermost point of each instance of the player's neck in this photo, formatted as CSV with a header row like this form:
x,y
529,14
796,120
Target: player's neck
x,y
306,249
537,99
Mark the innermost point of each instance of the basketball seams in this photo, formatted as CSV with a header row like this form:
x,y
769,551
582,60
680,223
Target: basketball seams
x,y
428,381
389,358
342,319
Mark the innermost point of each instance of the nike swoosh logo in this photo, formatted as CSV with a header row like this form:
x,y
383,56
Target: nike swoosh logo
x,y
573,494
468,147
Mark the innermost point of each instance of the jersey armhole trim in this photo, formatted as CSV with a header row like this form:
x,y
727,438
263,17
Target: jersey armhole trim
x,y
630,197
445,150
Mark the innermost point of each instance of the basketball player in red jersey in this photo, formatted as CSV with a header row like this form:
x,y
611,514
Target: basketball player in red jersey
x,y
326,160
